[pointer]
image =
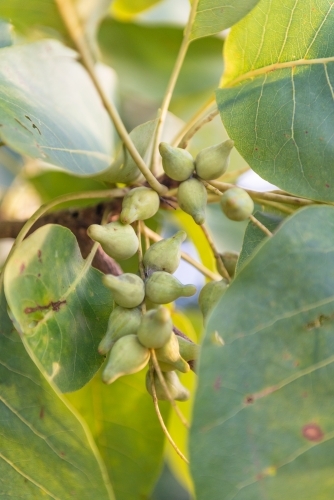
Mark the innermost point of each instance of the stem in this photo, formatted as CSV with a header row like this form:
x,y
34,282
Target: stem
x,y
196,127
273,204
90,257
198,265
70,17
161,420
260,226
110,193
196,118
171,85
290,200
219,262
164,385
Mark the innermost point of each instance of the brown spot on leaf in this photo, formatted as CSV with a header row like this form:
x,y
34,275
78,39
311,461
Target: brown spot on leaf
x,y
249,399
327,185
22,267
217,384
39,255
312,432
55,306
41,413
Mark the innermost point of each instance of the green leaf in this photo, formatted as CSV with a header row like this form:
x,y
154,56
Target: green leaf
x,y
278,94
47,452
49,108
127,9
263,415
254,236
143,58
60,305
5,34
127,431
213,16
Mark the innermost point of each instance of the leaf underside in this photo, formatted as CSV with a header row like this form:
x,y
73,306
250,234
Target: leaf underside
x,y
263,417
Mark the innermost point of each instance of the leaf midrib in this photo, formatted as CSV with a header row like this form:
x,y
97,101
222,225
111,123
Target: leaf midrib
x,y
277,66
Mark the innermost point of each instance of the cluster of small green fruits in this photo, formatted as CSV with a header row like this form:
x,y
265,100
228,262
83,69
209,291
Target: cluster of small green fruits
x,y
133,332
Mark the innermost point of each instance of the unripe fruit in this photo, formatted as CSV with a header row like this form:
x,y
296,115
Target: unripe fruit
x,y
236,204
155,328
162,288
165,255
213,162
127,356
139,204
188,350
128,289
121,322
176,390
192,198
177,163
210,295
119,241
170,353
230,260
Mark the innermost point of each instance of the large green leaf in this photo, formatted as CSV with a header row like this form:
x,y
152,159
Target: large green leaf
x,y
213,16
46,452
277,99
60,305
254,235
263,417
49,108
127,431
144,57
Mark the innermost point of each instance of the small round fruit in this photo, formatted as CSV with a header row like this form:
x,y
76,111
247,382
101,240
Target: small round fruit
x,y
174,386
213,162
128,289
140,203
192,198
165,255
119,241
155,328
177,163
162,288
236,204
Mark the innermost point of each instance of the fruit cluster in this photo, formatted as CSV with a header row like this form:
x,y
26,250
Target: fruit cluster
x,y
210,163
132,332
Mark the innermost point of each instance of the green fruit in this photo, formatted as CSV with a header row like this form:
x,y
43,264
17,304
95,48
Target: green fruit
x,y
121,322
230,260
128,289
175,388
119,241
236,204
177,163
139,204
155,328
170,354
165,255
192,198
210,295
127,356
213,162
188,350
162,288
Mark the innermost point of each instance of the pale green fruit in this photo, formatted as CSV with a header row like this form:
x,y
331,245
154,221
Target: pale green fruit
x,y
210,295
230,260
162,288
121,322
155,328
140,203
165,255
188,350
177,163
176,390
213,162
128,289
127,356
236,204
192,198
170,353
119,241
